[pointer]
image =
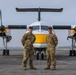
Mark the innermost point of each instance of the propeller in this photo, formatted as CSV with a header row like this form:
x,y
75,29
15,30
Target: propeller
x,y
2,28
74,28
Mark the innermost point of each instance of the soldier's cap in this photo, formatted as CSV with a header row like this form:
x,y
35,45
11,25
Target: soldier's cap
x,y
50,27
30,27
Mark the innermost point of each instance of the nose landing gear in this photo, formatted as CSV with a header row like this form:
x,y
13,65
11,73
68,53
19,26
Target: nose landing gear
x,y
40,55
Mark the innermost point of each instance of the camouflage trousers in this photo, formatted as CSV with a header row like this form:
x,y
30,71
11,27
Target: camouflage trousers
x,y
50,55
28,54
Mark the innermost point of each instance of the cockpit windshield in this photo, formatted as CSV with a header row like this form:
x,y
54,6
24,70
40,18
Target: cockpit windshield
x,y
44,27
40,27
35,27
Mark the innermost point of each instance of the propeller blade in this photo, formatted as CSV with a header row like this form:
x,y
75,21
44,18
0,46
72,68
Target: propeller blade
x,y
1,17
2,28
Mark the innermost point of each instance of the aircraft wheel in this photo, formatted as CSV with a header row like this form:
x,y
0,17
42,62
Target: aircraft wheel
x,y
4,52
70,53
7,52
74,53
42,56
37,56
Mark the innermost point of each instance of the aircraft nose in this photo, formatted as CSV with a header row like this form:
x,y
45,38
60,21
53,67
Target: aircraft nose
x,y
40,38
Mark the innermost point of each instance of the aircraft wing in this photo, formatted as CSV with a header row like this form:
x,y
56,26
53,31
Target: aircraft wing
x,y
17,27
39,9
62,27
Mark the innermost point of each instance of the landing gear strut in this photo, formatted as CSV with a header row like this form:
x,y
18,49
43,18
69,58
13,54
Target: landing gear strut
x,y
72,52
42,55
7,39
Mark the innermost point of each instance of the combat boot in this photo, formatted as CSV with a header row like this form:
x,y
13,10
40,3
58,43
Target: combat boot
x,y
33,68
24,68
31,65
47,68
54,68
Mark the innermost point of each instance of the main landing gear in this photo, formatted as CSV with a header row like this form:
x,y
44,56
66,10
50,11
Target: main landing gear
x,y
6,39
72,52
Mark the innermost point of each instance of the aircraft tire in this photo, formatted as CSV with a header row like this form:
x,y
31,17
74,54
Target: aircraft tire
x,y
73,52
70,53
7,52
37,56
4,52
42,56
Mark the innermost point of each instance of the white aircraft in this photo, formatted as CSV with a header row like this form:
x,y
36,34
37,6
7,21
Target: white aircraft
x,y
39,29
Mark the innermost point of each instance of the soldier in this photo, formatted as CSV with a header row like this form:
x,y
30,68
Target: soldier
x,y
52,42
27,41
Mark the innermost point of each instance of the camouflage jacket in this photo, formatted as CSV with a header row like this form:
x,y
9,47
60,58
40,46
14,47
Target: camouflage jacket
x,y
51,39
28,39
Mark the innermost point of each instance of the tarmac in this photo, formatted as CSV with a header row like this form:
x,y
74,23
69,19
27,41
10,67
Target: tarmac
x,y
12,65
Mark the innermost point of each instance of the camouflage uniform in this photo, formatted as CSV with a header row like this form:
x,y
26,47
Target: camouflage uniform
x,y
27,41
51,41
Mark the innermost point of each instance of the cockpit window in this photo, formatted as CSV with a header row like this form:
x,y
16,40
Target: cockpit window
x,y
38,27
35,27
44,27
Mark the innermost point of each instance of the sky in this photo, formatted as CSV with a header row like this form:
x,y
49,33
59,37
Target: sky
x,y
11,17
